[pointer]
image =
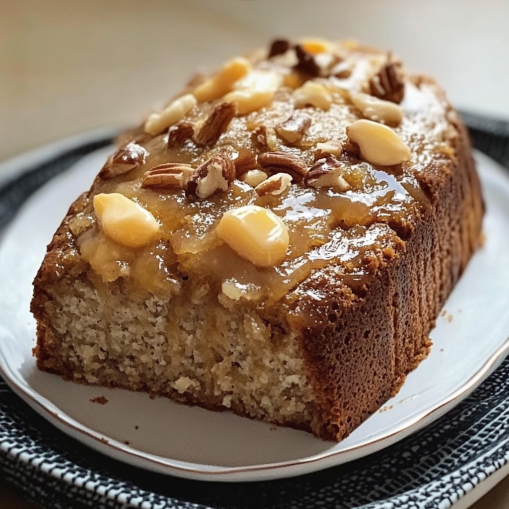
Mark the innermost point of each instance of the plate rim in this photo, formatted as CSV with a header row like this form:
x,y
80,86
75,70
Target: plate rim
x,y
190,470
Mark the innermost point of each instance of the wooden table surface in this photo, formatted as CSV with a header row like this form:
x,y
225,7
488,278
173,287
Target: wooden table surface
x,y
68,66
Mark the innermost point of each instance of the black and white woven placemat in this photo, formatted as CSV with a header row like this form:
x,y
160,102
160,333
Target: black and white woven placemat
x,y
430,469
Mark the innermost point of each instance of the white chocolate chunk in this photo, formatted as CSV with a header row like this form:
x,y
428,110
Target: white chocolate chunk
x,y
378,143
173,113
124,221
314,94
256,234
377,109
223,81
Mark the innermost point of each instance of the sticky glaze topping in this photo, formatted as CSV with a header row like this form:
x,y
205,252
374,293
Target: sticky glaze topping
x,y
274,122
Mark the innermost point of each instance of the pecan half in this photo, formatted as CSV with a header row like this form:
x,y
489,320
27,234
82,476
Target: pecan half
x,y
279,47
168,176
179,133
212,176
277,184
306,62
294,128
217,123
281,162
125,159
326,172
388,83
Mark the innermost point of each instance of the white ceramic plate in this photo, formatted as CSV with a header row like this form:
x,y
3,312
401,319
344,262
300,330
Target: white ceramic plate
x,y
470,340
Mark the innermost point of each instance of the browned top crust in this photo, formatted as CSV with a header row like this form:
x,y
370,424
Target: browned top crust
x,y
285,110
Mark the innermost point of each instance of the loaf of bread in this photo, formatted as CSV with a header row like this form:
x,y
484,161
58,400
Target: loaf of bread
x,y
277,241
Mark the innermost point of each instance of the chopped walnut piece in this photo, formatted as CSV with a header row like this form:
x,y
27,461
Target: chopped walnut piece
x,y
332,147
294,128
123,160
277,184
265,138
216,124
212,176
282,162
279,47
351,148
342,70
388,83
179,133
259,137
244,162
306,62
168,176
327,172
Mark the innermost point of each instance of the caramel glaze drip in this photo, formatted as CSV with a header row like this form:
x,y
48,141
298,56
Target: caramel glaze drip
x,y
350,232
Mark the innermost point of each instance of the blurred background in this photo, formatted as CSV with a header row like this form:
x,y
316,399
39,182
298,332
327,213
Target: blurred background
x,y
68,66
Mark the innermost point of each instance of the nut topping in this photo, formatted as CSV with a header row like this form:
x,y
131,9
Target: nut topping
x,y
223,81
282,162
265,138
277,184
259,137
212,176
388,83
327,172
254,91
256,234
125,159
254,177
342,70
306,62
332,147
244,162
378,143
180,133
279,47
314,94
293,129
316,46
377,109
216,124
124,221
177,110
168,176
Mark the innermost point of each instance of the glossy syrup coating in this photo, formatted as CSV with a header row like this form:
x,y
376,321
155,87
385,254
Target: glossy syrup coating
x,y
351,230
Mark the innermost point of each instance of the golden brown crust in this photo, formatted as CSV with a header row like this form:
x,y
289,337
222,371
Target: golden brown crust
x,y
359,337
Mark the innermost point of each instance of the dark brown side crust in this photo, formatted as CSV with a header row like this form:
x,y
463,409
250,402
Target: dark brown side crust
x,y
361,353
